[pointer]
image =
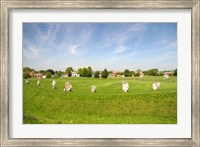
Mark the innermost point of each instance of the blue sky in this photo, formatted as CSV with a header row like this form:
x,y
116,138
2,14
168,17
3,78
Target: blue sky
x,y
115,46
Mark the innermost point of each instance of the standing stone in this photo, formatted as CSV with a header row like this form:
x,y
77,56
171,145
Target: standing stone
x,y
53,84
68,86
38,82
93,88
125,86
156,85
166,76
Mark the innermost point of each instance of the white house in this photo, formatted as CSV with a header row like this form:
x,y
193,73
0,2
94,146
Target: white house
x,y
74,74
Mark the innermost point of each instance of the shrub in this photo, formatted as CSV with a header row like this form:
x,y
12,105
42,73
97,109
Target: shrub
x,y
160,73
56,76
127,73
152,72
84,72
48,75
104,74
27,69
26,75
51,71
69,71
96,74
80,70
89,72
175,72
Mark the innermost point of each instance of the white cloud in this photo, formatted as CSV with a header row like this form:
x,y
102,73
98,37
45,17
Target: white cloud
x,y
50,34
74,39
124,34
30,52
43,41
120,49
173,45
80,46
72,50
26,54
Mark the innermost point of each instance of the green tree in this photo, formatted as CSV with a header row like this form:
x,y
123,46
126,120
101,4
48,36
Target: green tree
x,y
84,72
89,71
104,74
175,72
48,74
42,71
58,73
69,71
26,75
80,70
51,71
153,72
28,72
144,72
127,73
96,74
160,73
27,69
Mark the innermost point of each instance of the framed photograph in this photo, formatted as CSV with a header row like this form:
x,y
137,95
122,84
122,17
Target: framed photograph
x,y
100,73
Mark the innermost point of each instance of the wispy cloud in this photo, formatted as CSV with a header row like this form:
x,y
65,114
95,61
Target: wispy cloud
x,y
173,44
120,49
100,45
49,33
30,51
72,50
124,33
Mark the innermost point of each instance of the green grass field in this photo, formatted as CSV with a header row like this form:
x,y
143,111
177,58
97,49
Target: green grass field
x,y
109,105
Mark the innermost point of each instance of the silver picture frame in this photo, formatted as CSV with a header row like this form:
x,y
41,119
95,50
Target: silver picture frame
x,y
7,5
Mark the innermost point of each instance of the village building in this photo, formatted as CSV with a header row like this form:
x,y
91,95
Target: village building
x,y
74,74
32,74
115,74
38,75
167,73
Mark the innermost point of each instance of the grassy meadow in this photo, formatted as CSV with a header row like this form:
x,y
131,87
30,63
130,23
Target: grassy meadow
x,y
109,105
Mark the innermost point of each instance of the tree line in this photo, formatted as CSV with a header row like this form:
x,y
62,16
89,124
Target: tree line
x,y
88,72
